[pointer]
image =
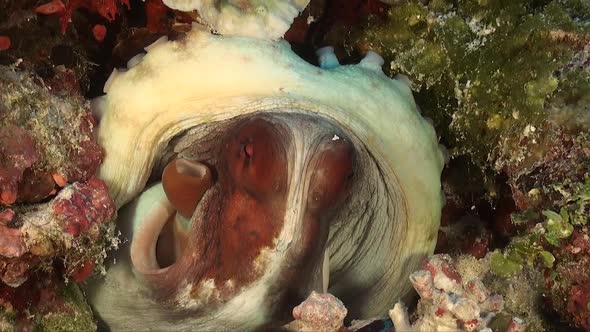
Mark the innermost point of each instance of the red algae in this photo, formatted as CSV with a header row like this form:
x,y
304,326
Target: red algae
x,y
99,31
4,43
579,304
50,8
106,8
156,13
18,152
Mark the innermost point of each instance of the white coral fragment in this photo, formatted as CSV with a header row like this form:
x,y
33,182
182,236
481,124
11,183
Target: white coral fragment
x,y
447,303
264,19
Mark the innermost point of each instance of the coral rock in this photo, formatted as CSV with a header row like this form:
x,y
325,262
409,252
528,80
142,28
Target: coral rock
x,y
87,204
319,312
46,137
448,303
55,229
18,152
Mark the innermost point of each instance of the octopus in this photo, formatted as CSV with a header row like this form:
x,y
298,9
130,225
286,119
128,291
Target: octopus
x,y
247,178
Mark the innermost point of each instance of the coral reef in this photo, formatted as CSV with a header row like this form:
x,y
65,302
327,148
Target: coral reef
x,y
46,141
506,84
522,296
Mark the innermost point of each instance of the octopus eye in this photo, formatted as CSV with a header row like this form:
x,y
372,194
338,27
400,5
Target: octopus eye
x,y
332,172
257,159
248,150
184,183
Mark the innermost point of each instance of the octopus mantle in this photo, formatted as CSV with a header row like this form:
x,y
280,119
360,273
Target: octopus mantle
x,y
182,93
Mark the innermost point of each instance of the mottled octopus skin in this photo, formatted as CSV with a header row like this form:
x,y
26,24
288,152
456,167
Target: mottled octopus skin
x,y
375,241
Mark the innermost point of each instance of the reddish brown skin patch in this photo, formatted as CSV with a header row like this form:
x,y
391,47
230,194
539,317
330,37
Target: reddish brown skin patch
x,y
330,178
331,166
242,216
332,169
185,182
245,212
256,160
256,166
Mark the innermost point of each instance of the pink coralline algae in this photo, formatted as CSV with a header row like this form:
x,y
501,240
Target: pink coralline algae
x,y
319,312
54,214
18,152
568,287
53,229
46,139
84,206
449,303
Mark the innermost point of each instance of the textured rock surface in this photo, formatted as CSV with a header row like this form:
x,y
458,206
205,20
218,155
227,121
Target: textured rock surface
x,y
54,215
46,140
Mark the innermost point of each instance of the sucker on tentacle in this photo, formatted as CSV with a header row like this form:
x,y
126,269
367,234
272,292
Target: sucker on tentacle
x,y
372,61
327,58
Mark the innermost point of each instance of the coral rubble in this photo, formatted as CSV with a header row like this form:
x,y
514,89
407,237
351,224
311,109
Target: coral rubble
x,y
319,312
449,303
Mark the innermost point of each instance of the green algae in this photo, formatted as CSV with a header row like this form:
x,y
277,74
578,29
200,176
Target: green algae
x,y
75,316
522,251
484,70
574,210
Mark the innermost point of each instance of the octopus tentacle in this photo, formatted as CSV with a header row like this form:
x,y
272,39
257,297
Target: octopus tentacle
x,y
185,183
327,58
